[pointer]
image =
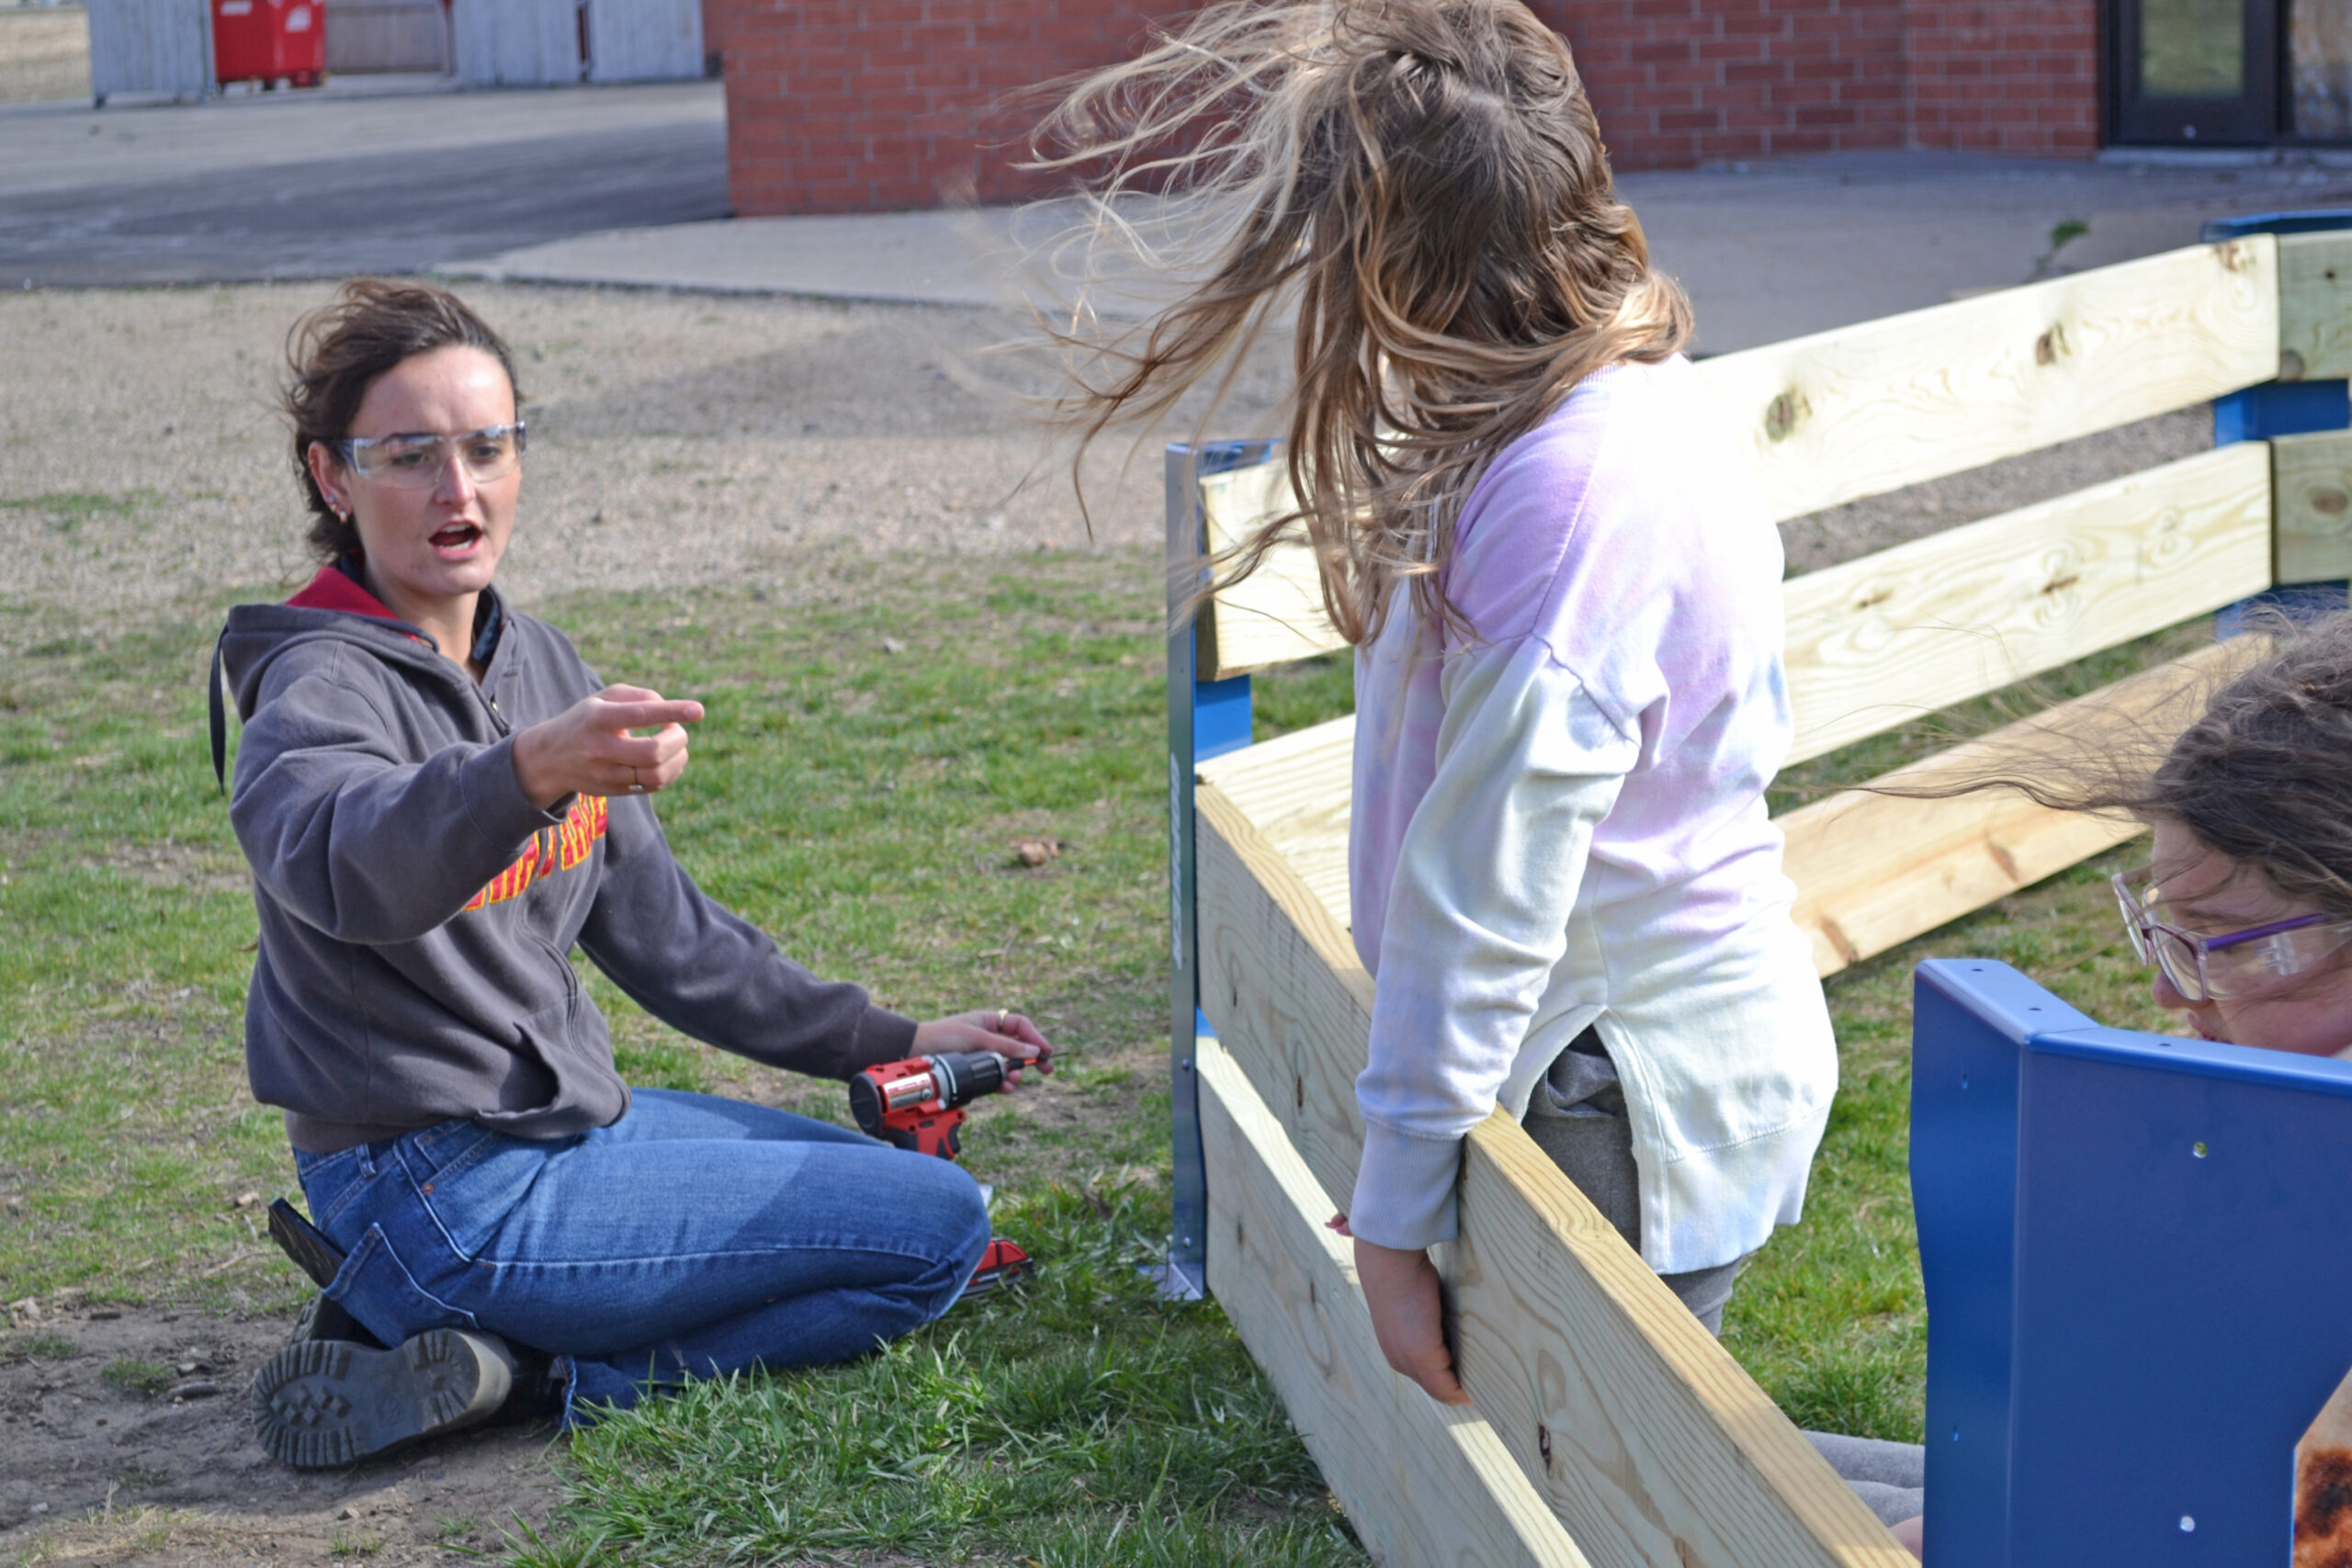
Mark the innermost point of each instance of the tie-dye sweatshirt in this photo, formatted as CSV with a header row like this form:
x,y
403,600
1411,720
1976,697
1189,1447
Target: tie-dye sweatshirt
x,y
1559,822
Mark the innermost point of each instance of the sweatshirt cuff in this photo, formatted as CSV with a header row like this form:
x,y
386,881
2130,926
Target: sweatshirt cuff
x,y
1404,1196
883,1036
495,803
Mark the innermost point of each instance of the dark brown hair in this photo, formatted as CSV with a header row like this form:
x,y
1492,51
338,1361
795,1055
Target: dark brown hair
x,y
334,353
1424,179
2262,773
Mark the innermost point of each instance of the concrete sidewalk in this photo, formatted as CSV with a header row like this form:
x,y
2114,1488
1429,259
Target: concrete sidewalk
x,y
627,187
1769,252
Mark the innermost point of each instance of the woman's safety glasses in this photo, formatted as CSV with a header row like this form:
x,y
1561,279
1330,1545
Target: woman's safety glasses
x,y
2234,964
420,460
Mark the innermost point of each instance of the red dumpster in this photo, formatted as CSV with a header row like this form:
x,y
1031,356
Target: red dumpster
x,y
266,40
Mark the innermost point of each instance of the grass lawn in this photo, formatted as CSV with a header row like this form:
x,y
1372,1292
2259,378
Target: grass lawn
x,y
878,737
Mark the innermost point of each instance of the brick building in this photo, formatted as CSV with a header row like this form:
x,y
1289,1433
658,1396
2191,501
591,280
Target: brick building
x,y
851,106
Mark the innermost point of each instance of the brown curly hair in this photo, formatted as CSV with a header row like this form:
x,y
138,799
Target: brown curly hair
x,y
1425,182
335,353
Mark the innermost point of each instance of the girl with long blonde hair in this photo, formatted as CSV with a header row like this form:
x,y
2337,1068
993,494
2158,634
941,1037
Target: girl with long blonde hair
x,y
1563,597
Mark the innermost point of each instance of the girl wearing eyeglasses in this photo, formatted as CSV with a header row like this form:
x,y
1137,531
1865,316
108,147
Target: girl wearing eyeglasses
x,y
441,803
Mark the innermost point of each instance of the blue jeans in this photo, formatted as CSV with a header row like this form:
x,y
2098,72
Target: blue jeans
x,y
693,1237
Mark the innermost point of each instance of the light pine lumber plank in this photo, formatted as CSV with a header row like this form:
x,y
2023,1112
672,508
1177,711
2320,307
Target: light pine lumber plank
x,y
1652,1444
2315,306
1898,634
1874,870
1868,409
1295,790
1422,1482
2312,486
1664,1453
1274,615
1281,987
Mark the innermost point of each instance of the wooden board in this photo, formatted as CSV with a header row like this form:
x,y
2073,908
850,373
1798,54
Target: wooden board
x,y
2312,482
1895,636
1294,791
1422,1482
1661,1451
1872,407
2315,306
1274,615
1875,870
1650,1442
1280,985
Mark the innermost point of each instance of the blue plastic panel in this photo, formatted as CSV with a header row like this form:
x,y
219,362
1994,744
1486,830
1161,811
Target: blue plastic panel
x,y
2139,1271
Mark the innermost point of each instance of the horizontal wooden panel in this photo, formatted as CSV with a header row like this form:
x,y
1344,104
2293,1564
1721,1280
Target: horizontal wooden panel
x,y
1889,637
2315,306
1874,870
1422,1482
1663,1451
1295,790
1274,615
2312,486
1282,988
1650,1442
1868,409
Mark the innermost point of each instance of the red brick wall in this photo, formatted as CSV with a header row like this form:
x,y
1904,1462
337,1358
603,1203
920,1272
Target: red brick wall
x,y
868,106
860,106
1682,81
2005,76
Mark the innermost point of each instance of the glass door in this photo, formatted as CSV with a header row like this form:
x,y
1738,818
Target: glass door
x,y
2196,72
2319,69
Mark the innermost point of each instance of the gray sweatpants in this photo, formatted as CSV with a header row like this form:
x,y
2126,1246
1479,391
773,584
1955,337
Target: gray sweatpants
x,y
1578,1117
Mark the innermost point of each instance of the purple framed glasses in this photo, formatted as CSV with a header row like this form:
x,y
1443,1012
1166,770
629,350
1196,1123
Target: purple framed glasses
x,y
2234,964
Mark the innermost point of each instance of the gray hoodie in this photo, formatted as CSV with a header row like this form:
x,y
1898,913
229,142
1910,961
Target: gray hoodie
x,y
417,911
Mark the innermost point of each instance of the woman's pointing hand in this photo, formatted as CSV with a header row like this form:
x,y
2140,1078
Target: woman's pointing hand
x,y
590,747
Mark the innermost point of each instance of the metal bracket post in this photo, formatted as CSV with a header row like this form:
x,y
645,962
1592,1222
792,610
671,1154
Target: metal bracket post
x,y
1206,718
2280,408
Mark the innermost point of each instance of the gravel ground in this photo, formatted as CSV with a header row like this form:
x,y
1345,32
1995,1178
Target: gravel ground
x,y
676,440
44,54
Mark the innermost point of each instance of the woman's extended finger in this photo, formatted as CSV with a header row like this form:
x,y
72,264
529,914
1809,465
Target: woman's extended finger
x,y
645,715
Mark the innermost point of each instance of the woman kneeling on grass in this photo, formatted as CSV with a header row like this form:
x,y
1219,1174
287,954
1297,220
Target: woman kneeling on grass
x,y
439,801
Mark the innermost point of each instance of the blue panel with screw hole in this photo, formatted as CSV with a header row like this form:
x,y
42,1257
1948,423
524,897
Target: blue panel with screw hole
x,y
2137,1255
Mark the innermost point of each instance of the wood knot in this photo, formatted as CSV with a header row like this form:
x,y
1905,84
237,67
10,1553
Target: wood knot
x,y
2051,346
1781,415
2290,366
1543,1445
2060,585
2330,502
1298,1090
2235,258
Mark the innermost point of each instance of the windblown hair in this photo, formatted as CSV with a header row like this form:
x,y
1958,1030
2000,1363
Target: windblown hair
x,y
2263,773
1424,180
335,353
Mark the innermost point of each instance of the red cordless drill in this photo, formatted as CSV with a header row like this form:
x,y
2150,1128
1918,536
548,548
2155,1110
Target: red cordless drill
x,y
919,1103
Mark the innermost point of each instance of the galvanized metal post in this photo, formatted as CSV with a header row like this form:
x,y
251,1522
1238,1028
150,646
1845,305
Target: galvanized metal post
x,y
1206,718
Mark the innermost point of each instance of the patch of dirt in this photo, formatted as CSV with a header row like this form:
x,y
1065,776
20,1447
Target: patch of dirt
x,y
44,54
94,1468
676,440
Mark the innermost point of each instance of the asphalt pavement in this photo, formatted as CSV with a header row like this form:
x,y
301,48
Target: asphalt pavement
x,y
321,185
627,186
